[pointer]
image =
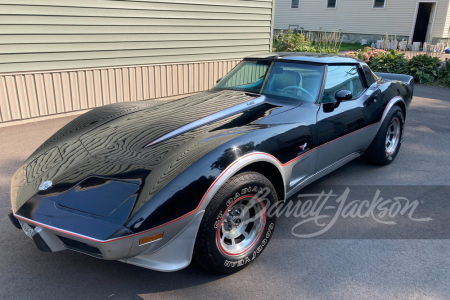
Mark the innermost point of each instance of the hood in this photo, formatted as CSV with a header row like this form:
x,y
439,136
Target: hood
x,y
124,138
127,117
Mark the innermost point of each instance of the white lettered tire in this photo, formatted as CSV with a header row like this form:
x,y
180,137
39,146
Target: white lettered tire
x,y
236,227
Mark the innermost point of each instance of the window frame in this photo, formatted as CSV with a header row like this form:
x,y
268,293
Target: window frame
x,y
335,5
298,6
361,76
384,5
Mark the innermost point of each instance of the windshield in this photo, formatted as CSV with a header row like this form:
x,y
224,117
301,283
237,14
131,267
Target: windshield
x,y
284,80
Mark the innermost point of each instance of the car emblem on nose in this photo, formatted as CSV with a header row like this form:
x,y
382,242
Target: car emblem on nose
x,y
45,185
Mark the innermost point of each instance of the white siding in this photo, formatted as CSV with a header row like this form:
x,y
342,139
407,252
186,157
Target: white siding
x,y
357,16
37,35
447,24
63,56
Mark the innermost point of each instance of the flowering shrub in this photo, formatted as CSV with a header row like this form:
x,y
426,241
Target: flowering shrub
x,y
381,60
367,54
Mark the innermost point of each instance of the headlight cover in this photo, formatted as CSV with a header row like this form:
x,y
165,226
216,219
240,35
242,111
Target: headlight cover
x,y
100,196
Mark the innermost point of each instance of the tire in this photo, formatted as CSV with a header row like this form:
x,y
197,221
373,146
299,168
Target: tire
x,y
227,216
381,152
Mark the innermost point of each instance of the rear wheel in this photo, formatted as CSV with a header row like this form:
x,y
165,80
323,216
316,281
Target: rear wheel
x,y
236,227
386,145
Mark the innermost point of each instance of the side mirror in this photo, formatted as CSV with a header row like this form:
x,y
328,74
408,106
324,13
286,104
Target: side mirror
x,y
343,95
217,81
340,96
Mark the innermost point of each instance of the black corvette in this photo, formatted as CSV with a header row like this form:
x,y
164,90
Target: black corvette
x,y
157,183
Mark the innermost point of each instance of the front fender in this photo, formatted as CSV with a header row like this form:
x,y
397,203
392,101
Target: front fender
x,y
175,251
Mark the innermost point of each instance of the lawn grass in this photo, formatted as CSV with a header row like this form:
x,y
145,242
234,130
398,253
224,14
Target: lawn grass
x,y
352,46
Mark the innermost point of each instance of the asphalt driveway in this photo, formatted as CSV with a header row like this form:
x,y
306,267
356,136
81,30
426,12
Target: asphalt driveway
x,y
290,268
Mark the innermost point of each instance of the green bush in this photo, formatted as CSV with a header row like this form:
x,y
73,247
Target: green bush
x,y
292,42
389,62
424,68
444,74
321,42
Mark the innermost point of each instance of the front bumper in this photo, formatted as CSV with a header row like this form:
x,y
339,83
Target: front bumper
x,y
52,239
172,253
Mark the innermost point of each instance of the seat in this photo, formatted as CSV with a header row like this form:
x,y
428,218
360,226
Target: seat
x,y
285,79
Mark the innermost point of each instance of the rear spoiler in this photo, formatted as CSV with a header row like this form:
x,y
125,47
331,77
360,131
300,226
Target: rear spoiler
x,y
406,79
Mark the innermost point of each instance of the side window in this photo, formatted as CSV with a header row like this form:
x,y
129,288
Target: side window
x,y
369,75
342,78
295,3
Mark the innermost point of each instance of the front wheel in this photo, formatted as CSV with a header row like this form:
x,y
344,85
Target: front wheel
x,y
387,142
236,227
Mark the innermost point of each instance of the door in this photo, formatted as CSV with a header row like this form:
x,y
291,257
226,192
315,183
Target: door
x,y
422,22
336,126
295,86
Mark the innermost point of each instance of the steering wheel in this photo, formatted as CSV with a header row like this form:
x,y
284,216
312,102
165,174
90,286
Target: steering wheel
x,y
298,88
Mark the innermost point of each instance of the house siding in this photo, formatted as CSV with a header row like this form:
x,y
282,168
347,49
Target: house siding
x,y
39,94
357,17
446,33
60,56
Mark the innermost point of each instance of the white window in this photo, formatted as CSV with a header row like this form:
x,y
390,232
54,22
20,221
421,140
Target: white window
x,y
331,3
295,3
379,3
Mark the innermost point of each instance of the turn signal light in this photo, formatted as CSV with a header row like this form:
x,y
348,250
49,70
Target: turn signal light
x,y
150,239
